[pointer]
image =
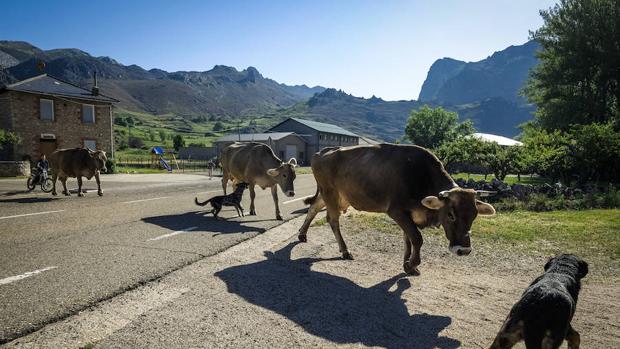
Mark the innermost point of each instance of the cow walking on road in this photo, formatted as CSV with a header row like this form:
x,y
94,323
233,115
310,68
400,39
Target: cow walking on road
x,y
407,182
256,164
77,162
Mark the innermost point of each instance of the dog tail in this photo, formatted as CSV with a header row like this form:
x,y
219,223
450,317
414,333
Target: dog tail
x,y
201,203
311,200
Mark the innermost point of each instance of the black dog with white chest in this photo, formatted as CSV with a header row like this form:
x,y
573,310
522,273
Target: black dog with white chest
x,y
233,199
542,316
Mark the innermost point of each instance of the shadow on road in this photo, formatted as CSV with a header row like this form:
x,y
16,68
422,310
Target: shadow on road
x,y
202,222
29,200
333,307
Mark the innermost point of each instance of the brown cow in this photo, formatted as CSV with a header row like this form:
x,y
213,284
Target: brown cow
x,y
256,164
77,162
407,182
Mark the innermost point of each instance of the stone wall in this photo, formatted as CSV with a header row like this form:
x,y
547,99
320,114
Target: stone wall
x,y
14,168
67,126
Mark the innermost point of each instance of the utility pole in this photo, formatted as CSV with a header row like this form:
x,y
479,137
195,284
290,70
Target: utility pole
x,y
239,129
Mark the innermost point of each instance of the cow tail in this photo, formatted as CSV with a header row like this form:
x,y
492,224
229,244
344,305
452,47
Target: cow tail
x,y
201,203
311,200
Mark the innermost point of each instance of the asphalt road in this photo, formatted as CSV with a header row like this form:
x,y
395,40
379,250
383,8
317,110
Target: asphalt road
x,y
59,255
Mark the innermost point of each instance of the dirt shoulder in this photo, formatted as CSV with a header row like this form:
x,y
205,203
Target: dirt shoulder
x,y
271,291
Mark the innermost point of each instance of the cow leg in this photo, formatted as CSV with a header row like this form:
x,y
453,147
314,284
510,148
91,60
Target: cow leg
x,y
274,193
252,196
54,178
334,222
573,338
314,209
403,219
64,185
407,249
99,191
224,180
79,180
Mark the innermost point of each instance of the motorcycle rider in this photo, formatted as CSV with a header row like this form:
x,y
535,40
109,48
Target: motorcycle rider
x,y
42,167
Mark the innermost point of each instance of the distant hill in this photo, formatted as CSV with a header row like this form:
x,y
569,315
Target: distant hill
x,y
222,91
487,90
372,117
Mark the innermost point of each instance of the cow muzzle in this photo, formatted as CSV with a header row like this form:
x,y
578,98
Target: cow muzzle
x,y
460,250
290,193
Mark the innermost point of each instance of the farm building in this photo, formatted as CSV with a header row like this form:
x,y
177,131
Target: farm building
x,y
285,145
501,140
48,113
297,138
317,135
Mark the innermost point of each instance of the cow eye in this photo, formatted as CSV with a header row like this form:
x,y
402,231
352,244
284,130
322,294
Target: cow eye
x,y
451,216
284,176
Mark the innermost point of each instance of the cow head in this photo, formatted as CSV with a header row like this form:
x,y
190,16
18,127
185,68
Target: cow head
x,y
284,175
99,158
457,208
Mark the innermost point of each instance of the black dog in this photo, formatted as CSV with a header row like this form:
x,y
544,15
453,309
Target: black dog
x,y
233,199
543,314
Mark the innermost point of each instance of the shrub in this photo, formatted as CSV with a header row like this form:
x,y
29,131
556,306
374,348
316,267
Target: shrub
x,y
111,166
135,142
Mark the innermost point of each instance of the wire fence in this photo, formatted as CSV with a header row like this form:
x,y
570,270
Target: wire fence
x,y
182,165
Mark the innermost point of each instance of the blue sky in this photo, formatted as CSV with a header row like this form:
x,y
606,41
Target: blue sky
x,y
383,48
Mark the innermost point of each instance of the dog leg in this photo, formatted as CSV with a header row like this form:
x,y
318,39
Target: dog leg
x,y
509,335
573,338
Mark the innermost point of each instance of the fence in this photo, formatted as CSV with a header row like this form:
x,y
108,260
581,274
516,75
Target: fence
x,y
184,165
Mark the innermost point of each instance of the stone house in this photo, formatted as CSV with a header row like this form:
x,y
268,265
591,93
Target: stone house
x,y
317,135
48,114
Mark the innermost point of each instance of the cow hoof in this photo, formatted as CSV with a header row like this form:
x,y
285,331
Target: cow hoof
x,y
252,213
411,270
100,193
302,238
80,194
279,218
55,193
66,193
347,255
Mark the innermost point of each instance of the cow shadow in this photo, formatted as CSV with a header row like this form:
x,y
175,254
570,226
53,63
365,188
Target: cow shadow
x,y
333,307
29,200
198,219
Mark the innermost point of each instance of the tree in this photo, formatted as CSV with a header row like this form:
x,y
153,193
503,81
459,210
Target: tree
x,y
596,150
178,141
464,152
218,126
550,152
578,78
430,127
135,142
8,138
162,135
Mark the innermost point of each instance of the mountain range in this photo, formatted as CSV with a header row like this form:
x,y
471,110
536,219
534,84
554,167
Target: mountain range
x,y
486,91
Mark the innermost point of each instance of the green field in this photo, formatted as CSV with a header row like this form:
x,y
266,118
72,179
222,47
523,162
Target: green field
x,y
510,179
194,129
592,234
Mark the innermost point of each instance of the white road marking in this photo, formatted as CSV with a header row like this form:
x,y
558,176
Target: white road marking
x,y
143,200
30,214
173,234
301,198
24,275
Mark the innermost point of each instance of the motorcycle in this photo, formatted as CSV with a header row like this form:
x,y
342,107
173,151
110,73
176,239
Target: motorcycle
x,y
42,179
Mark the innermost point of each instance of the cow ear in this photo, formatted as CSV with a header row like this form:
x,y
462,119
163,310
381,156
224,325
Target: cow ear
x,y
293,162
273,172
484,209
432,202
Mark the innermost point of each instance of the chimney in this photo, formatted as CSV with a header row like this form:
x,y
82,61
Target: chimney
x,y
95,89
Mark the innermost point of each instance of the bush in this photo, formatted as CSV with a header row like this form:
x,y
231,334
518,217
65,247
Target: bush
x,y
136,142
111,165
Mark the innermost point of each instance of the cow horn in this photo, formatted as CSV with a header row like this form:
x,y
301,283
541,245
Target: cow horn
x,y
444,193
485,193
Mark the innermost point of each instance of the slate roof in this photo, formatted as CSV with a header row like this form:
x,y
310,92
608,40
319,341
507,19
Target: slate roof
x,y
323,127
256,137
48,85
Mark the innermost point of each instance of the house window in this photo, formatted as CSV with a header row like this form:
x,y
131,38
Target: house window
x,y
88,113
90,144
46,107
